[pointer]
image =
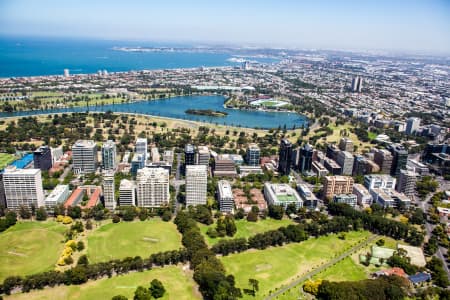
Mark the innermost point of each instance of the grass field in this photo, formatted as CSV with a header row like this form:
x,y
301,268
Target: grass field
x,y
278,266
178,286
6,159
246,229
30,247
131,239
345,270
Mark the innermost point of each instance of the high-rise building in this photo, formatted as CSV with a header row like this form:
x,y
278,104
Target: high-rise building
x,y
127,193
203,155
109,155
108,191
66,73
42,158
357,84
23,187
407,182
253,154
189,155
337,185
285,157
346,144
333,167
156,157
84,157
224,166
399,159
383,159
345,161
138,162
360,165
332,151
412,125
2,192
152,187
141,147
305,159
196,184
225,196
168,156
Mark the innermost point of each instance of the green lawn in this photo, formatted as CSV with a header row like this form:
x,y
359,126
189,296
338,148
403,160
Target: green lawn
x,y
131,239
177,283
246,229
6,159
30,247
278,266
345,270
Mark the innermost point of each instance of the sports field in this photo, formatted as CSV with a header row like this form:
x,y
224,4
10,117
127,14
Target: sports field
x,y
278,266
177,283
6,159
246,229
131,239
30,247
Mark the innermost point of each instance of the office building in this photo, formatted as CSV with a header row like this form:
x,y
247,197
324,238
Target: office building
x,y
23,187
399,159
295,157
357,84
417,167
58,196
346,144
383,158
349,199
225,196
108,191
333,167
309,199
156,157
407,182
168,156
374,181
332,151
360,165
224,166
109,155
412,125
319,169
152,187
362,195
141,147
281,194
337,185
345,161
253,154
42,158
84,157
127,193
196,184
160,164
305,159
389,198
189,155
203,156
137,163
57,153
285,157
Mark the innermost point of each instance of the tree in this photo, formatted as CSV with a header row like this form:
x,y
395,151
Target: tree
x,y
74,212
80,246
254,284
166,216
252,217
83,260
240,214
119,297
157,289
276,212
24,212
41,214
142,293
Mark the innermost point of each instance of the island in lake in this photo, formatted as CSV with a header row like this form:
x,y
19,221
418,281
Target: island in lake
x,y
206,112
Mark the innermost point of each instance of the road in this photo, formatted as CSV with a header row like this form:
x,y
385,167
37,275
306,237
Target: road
x,y
323,267
177,182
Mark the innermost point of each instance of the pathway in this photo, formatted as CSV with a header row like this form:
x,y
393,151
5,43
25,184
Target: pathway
x,y
323,267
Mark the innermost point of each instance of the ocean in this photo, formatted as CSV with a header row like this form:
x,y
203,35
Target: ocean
x,y
20,56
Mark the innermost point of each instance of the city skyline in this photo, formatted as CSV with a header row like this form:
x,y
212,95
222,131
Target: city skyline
x,y
413,26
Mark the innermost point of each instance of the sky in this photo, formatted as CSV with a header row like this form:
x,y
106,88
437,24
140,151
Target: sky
x,y
399,25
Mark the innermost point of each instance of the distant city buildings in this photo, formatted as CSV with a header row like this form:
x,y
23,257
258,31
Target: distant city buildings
x,y
412,125
196,184
84,157
357,84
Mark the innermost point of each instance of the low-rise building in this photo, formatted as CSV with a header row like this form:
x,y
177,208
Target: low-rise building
x,y
349,199
319,169
374,181
281,194
225,196
58,196
362,195
256,199
309,199
337,185
224,166
389,198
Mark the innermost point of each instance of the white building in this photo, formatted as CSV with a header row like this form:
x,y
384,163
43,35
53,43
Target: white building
x,y
141,147
127,193
407,182
225,196
58,196
152,187
84,157
168,156
156,157
281,194
375,181
203,155
389,198
57,153
23,187
253,153
362,194
309,199
196,184
109,155
108,191
349,199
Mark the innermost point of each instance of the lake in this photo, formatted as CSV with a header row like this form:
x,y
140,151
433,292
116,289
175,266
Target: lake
x,y
176,107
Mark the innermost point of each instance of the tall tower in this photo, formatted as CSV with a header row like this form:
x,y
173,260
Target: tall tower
x,y
109,155
189,155
108,191
152,187
196,184
42,158
141,147
253,153
305,161
23,187
84,156
285,157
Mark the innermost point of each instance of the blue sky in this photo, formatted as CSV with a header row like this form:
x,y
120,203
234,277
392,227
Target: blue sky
x,y
414,25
